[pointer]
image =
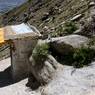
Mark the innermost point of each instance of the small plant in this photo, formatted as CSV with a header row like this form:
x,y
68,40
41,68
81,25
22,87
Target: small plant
x,y
70,27
40,52
78,57
58,31
29,0
83,56
91,42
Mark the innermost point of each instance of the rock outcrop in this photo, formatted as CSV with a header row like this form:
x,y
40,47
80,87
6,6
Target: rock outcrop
x,y
53,12
70,81
88,28
47,15
66,44
43,71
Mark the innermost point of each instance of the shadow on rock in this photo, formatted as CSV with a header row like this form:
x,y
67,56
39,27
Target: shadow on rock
x,y
33,83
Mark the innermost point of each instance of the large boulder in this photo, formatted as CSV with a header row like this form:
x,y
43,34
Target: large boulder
x,y
43,70
66,44
70,81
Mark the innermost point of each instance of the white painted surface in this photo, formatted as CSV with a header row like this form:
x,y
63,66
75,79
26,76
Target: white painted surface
x,y
21,29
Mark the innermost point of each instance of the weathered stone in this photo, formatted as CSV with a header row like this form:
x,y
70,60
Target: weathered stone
x,y
78,32
76,17
20,53
66,44
88,28
70,81
43,70
92,4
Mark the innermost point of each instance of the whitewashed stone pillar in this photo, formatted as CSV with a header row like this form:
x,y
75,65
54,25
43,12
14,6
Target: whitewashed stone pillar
x,y
20,52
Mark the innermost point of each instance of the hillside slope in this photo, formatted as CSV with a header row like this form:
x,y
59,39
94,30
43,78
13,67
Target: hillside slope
x,y
49,12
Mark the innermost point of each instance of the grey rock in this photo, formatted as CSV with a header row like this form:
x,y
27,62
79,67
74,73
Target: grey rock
x,y
76,17
70,81
78,32
88,29
43,70
68,43
92,4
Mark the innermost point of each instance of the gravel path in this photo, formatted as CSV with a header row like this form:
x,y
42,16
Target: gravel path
x,y
6,86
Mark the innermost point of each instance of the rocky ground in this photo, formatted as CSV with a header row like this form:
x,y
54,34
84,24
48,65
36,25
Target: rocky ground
x,y
75,51
70,81
66,81
49,12
7,87
59,79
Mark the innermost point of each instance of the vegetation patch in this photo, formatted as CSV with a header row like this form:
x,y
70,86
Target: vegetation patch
x,y
40,52
78,58
68,28
83,56
91,42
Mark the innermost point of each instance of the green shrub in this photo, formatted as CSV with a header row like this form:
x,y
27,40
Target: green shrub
x,y
40,52
83,56
91,42
58,31
29,0
70,27
78,57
